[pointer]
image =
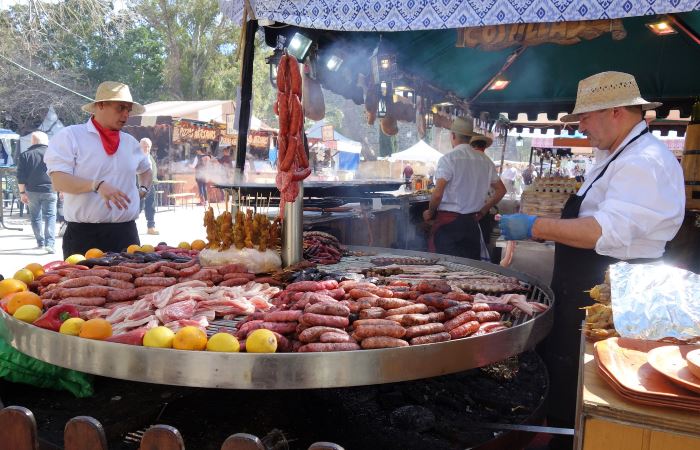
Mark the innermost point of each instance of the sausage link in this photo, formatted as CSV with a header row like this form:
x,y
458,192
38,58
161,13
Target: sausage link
x,y
129,270
352,306
329,347
180,266
328,309
361,322
169,271
488,316
410,320
392,303
436,317
305,286
372,313
383,342
480,307
366,331
431,338
121,295
234,282
247,327
312,334
143,290
154,281
422,330
280,327
461,319
282,316
120,276
360,293
464,330
333,336
82,281
454,311
231,268
381,292
413,308
84,301
459,296
85,291
190,270
367,302
87,273
437,300
50,279
329,321
249,276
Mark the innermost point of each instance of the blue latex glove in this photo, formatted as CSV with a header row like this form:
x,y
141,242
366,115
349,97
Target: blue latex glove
x,y
516,227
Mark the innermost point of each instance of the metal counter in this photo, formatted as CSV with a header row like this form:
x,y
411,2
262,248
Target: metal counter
x,y
288,370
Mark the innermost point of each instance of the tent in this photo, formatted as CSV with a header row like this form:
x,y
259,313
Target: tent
x,y
420,151
348,156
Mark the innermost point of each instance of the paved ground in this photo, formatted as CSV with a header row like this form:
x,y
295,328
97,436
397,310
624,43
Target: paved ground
x,y
17,248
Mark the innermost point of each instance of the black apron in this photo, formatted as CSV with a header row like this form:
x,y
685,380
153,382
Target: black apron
x,y
575,271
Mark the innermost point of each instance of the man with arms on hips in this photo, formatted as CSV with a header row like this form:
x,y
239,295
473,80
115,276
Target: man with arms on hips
x,y
36,191
94,165
630,205
148,203
463,179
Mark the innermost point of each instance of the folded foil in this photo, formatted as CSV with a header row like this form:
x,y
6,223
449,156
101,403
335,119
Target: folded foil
x,y
655,301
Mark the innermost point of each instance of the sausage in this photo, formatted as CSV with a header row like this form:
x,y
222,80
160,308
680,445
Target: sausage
x,y
361,322
459,296
282,316
119,284
501,307
463,318
86,291
169,271
82,281
352,284
367,302
436,317
280,327
249,276
329,321
333,336
87,273
431,338
337,293
488,327
352,306
247,327
422,330
231,268
120,276
121,295
433,286
328,309
409,320
413,308
312,334
488,316
154,267
479,307
365,331
143,290
372,313
234,282
154,281
454,311
268,280
283,344
329,347
126,269
437,300
85,301
183,265
380,292
190,270
383,342
50,279
392,303
464,330
360,293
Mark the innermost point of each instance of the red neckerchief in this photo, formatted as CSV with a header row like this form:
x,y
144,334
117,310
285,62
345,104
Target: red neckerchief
x,y
110,138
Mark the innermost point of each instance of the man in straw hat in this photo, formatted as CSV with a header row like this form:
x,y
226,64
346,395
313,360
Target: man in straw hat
x,y
630,205
94,165
463,179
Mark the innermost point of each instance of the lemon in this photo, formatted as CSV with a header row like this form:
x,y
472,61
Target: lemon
x,y
75,259
161,337
148,248
72,326
133,248
24,275
190,338
27,313
261,341
185,245
223,342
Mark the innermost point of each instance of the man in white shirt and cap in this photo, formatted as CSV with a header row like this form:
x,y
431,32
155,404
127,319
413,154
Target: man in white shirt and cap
x,y
630,205
463,179
95,164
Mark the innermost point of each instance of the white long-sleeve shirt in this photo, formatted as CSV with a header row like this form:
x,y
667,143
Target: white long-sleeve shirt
x,y
77,150
640,200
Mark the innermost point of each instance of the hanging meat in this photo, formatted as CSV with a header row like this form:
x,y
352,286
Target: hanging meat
x,y
312,99
292,161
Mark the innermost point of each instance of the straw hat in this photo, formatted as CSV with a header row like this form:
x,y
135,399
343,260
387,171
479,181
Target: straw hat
x,y
466,128
607,90
113,91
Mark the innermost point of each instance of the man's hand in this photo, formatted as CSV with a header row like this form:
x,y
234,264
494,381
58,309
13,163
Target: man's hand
x,y
428,215
111,194
516,227
24,198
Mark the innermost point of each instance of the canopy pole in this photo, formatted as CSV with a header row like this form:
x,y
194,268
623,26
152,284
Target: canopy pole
x,y
503,153
684,28
511,59
246,92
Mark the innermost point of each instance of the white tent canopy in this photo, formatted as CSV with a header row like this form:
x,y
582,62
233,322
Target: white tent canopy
x,y
420,151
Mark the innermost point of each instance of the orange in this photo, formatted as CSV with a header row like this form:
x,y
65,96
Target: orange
x,y
94,253
185,245
36,268
133,248
198,244
96,329
10,285
24,275
23,298
190,338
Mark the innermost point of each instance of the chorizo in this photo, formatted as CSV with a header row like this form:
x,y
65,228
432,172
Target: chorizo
x,y
125,269
231,268
464,330
437,300
280,327
229,275
190,270
352,306
383,342
431,338
422,330
86,273
367,302
361,322
427,287
82,281
488,316
283,344
337,293
329,321
312,334
328,309
380,292
169,271
120,276
334,336
454,311
154,281
50,279
365,331
392,303
152,268
329,347
305,286
121,295
436,316
119,284
413,308
282,316
360,293
466,316
234,282
459,296
182,265
372,313
352,284
85,291
480,307
84,301
409,320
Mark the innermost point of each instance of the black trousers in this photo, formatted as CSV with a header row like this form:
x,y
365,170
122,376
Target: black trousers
x,y
460,237
108,237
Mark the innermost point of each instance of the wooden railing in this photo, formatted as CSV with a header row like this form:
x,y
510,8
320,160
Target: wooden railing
x,y
18,432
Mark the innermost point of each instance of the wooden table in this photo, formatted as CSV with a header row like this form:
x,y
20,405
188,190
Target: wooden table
x,y
607,421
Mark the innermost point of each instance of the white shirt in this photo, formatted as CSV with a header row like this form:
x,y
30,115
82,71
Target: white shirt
x,y
510,174
77,150
640,200
469,175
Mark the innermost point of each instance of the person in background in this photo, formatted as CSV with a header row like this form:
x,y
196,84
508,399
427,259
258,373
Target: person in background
x,y
226,159
529,175
631,204
407,172
464,177
148,203
480,144
37,192
201,163
94,165
508,176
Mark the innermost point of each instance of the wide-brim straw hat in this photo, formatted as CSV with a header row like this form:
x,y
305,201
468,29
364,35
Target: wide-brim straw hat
x,y
113,91
465,127
607,90
481,137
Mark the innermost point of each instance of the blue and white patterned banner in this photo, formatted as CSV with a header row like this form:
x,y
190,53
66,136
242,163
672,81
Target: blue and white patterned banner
x,y
401,15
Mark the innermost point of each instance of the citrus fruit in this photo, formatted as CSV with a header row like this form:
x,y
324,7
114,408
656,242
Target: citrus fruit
x,y
11,285
36,268
190,338
23,298
133,248
148,248
75,259
94,253
24,275
261,341
96,329
27,313
161,337
198,244
72,326
223,342
185,245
